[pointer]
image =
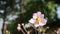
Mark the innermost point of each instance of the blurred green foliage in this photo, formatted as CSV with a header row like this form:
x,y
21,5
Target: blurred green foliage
x,y
12,27
32,6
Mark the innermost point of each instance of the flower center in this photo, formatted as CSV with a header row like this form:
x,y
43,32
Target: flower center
x,y
38,20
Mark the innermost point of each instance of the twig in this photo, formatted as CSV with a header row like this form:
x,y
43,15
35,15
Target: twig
x,y
23,31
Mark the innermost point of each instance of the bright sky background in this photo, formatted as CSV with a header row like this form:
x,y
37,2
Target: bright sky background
x,y
58,11
0,25
13,17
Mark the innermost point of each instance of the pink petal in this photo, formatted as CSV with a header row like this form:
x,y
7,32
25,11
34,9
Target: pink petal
x,y
19,28
19,25
36,25
38,14
43,22
32,20
34,15
42,16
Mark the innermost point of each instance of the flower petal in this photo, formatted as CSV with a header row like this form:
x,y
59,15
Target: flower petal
x,y
32,20
35,15
19,25
42,16
43,22
19,28
38,14
36,25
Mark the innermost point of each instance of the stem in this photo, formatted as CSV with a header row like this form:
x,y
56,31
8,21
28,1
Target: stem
x,y
23,31
28,32
38,31
35,30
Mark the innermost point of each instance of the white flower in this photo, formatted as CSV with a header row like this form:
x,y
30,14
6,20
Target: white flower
x,y
38,19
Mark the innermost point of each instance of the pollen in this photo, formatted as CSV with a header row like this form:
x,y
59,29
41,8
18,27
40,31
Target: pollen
x,y
38,20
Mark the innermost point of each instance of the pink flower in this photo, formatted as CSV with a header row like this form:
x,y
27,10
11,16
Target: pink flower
x,y
38,19
19,27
